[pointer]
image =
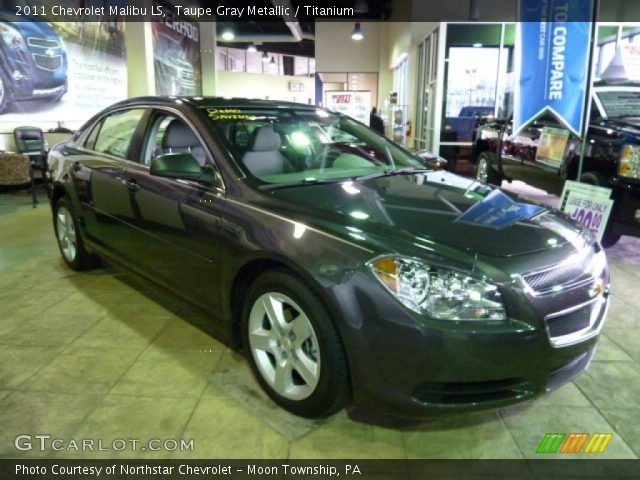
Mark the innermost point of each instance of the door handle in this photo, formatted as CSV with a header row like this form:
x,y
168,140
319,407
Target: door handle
x,y
131,184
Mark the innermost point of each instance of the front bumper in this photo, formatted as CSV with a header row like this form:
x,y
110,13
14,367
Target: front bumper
x,y
32,73
408,366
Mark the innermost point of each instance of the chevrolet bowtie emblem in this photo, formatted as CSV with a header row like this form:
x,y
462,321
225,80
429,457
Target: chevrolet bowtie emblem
x,y
49,53
596,289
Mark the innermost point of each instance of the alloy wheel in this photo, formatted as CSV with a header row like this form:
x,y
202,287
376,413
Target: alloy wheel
x,y
284,346
66,231
482,173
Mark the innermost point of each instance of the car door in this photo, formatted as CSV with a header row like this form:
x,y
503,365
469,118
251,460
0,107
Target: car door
x,y
520,162
104,195
179,218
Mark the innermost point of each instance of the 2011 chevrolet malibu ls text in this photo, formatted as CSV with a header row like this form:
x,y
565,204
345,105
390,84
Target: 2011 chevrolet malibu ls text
x,y
346,270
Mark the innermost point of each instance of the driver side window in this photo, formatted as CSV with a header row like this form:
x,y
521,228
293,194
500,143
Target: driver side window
x,y
169,134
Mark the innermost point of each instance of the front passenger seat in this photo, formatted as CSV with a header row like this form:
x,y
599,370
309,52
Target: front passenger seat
x,y
178,137
263,157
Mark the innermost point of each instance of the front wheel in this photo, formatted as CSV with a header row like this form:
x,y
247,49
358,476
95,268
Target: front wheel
x,y
70,239
485,171
293,346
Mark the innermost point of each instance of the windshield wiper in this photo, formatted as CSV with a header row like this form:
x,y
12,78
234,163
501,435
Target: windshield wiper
x,y
393,171
300,183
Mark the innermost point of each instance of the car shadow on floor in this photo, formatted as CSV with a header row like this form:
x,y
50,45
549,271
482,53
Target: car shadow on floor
x,y
131,284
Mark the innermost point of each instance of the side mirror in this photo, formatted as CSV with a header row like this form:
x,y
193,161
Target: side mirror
x,y
179,165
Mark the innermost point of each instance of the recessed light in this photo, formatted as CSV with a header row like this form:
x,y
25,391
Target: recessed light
x,y
228,35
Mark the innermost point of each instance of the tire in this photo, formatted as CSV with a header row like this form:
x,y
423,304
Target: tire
x,y
6,98
312,380
485,172
609,238
69,238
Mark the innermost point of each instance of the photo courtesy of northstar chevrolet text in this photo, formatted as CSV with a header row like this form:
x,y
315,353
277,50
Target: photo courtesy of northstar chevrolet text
x,y
276,238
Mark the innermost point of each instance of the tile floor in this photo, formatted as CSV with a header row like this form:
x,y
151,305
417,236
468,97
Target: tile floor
x,y
96,355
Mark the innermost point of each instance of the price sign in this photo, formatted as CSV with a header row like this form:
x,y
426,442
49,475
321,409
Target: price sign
x,y
588,205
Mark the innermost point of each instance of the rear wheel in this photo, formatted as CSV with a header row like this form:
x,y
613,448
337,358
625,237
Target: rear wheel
x,y
609,239
70,238
486,171
293,346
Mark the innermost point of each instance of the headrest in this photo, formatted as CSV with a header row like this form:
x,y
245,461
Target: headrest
x,y
179,135
264,139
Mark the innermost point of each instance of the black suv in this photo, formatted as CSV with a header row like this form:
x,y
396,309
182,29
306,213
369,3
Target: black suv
x,y
33,62
612,156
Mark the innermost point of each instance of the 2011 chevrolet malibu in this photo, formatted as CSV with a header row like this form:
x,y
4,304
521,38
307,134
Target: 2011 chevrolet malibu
x,y
346,270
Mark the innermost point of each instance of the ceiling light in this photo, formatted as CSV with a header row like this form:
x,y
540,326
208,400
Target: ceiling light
x,y
228,35
273,61
252,48
265,57
357,33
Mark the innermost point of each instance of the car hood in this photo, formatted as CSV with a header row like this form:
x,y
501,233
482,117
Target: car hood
x,y
28,29
431,207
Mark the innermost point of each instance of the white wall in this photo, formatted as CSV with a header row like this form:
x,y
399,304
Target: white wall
x,y
337,52
255,85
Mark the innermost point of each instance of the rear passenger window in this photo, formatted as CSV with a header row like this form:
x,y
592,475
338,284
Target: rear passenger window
x,y
90,142
117,132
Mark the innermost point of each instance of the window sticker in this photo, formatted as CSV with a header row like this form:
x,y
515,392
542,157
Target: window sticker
x,y
217,114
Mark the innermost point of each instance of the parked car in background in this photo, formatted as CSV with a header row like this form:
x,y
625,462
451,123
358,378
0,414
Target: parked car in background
x,y
33,62
612,156
346,270
461,128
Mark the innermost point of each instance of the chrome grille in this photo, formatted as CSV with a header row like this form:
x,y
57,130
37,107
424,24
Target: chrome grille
x,y
46,62
42,43
560,274
569,323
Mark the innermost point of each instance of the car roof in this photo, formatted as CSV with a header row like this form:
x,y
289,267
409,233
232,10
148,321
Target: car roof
x,y
220,102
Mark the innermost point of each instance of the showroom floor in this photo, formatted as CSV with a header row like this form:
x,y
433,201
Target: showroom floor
x,y
94,355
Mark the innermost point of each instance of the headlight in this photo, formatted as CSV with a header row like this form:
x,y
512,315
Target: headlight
x,y
437,292
11,37
629,165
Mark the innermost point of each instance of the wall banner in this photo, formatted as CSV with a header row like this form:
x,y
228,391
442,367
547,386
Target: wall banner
x,y
59,72
176,54
552,61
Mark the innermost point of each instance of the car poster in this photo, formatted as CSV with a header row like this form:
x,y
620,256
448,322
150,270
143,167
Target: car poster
x,y
59,73
354,103
176,54
552,145
587,204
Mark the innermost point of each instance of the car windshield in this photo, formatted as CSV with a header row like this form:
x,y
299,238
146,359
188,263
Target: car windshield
x,y
290,146
618,102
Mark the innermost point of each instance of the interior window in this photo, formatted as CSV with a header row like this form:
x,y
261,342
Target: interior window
x,y
117,131
169,134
